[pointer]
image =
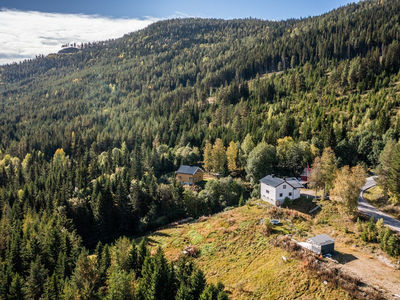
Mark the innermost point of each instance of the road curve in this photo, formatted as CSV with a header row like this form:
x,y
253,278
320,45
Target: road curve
x,y
370,210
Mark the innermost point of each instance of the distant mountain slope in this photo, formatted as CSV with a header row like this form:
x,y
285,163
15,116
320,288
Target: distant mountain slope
x,y
183,61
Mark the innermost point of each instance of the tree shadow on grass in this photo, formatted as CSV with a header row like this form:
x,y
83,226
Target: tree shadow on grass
x,y
305,204
159,233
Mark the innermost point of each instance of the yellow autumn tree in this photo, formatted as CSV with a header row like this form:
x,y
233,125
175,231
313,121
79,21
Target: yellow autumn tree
x,y
347,185
328,162
219,156
231,155
323,171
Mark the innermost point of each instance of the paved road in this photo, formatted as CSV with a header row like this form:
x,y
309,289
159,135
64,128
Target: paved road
x,y
367,208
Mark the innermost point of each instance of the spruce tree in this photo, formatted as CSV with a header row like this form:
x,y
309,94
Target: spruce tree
x,y
51,288
133,258
142,253
183,293
35,282
197,284
16,292
394,175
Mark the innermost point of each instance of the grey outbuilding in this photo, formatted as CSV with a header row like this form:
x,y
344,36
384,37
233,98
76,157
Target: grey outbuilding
x,y
322,244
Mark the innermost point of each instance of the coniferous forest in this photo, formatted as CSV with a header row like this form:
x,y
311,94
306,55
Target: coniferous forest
x,y
90,141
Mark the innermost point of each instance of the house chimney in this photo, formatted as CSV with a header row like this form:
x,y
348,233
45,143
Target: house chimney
x,y
273,175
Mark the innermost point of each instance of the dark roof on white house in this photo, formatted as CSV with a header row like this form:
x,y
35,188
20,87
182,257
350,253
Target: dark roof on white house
x,y
294,183
188,170
272,181
321,240
275,181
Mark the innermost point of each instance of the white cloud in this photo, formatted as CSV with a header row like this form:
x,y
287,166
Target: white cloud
x,y
25,34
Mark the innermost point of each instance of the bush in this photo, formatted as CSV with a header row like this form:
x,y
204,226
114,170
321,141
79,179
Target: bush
x,y
256,191
287,202
388,242
267,227
370,232
191,250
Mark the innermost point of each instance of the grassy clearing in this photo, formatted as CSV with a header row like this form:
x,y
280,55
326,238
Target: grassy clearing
x,y
234,250
375,197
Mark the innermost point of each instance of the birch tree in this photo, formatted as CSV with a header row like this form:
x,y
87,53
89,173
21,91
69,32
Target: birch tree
x,y
347,187
231,155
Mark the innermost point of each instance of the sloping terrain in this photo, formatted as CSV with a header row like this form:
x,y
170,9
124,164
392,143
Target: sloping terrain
x,y
234,250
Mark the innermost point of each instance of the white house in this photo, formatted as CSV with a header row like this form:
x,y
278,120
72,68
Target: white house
x,y
274,190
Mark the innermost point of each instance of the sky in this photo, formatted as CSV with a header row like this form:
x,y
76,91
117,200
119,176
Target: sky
x,y
32,27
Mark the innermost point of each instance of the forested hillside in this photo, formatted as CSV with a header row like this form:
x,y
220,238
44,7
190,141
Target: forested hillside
x,y
89,141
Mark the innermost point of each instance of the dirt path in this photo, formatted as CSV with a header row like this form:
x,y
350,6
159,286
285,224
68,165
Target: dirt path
x,y
369,268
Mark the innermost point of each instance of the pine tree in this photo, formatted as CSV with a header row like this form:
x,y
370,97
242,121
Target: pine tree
x,y
142,254
35,282
385,161
134,258
16,292
158,280
85,280
104,265
120,285
393,176
51,290
241,200
6,277
209,293
197,284
183,293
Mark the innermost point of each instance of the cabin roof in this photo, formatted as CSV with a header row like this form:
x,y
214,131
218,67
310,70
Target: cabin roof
x,y
188,170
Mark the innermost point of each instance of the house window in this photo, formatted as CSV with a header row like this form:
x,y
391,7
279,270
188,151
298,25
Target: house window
x,y
198,172
284,186
294,189
280,195
195,179
180,177
290,194
190,178
267,191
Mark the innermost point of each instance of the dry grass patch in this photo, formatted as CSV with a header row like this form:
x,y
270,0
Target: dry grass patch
x,y
234,250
